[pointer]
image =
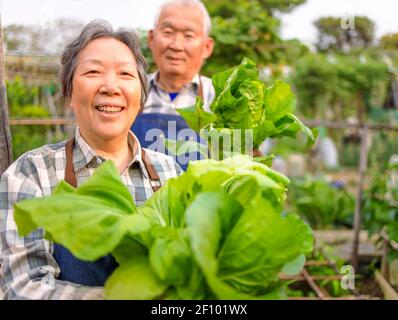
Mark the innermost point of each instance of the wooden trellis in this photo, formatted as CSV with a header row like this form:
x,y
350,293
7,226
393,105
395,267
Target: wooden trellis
x,y
311,280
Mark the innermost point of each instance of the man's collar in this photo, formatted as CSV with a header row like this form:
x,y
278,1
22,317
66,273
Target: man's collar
x,y
153,80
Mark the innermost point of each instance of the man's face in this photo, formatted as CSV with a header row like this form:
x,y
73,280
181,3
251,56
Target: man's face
x,y
179,44
106,90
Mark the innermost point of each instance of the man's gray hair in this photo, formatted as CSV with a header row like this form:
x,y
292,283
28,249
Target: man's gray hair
x,y
94,30
192,3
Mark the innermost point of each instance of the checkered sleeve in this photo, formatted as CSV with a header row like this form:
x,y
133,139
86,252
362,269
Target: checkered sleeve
x,y
28,269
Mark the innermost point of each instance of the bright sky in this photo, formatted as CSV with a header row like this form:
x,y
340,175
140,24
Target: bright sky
x,y
299,23
140,13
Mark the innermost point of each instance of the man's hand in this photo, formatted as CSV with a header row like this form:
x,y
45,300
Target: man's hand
x,y
256,153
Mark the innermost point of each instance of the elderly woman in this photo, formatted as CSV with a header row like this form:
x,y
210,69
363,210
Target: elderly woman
x,y
103,80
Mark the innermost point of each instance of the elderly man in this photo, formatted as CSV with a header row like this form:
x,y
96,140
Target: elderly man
x,y
179,43
103,79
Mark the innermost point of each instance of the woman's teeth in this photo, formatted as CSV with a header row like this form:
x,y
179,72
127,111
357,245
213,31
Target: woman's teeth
x,y
109,109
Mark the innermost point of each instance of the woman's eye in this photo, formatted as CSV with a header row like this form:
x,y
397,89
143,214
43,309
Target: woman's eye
x,y
126,73
92,72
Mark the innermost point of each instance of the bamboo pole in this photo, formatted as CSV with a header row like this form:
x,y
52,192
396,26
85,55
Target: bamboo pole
x,y
363,159
41,121
5,135
346,125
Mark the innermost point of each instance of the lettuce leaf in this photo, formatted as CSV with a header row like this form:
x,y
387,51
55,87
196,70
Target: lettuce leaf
x,y
242,102
134,280
90,221
218,231
195,116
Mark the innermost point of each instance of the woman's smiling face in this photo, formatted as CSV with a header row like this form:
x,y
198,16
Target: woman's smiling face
x,y
106,90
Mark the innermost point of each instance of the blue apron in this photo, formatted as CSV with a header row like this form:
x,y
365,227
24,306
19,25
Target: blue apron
x,y
83,272
151,128
79,271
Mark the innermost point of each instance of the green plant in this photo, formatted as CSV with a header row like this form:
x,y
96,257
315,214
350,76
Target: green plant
x,y
333,87
349,154
286,146
333,287
250,29
21,101
332,37
217,231
383,148
19,94
243,105
320,203
380,201
29,137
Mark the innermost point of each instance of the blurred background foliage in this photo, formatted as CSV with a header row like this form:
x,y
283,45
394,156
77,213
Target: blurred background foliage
x,y
29,101
321,203
333,38
250,29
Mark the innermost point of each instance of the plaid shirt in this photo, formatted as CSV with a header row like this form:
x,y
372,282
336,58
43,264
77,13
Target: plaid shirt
x,y
28,268
159,101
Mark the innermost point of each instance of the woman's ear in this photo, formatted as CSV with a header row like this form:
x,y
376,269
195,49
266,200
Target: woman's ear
x,y
68,103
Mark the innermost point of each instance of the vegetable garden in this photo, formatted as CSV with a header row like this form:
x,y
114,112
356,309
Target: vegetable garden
x,y
314,216
230,227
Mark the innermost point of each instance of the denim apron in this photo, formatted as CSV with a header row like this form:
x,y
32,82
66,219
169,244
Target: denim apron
x,y
79,271
167,126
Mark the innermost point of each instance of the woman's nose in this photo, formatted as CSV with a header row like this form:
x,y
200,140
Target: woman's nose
x,y
110,85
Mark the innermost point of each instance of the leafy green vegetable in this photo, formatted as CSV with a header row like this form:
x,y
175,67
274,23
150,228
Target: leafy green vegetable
x,y
321,204
92,219
243,102
196,117
182,147
333,287
259,246
279,100
294,266
134,279
380,209
217,231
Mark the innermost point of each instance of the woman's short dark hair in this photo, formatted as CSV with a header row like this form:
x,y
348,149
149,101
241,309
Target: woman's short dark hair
x,y
94,30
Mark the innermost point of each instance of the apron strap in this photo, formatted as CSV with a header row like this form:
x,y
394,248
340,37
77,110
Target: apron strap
x,y
70,176
153,175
